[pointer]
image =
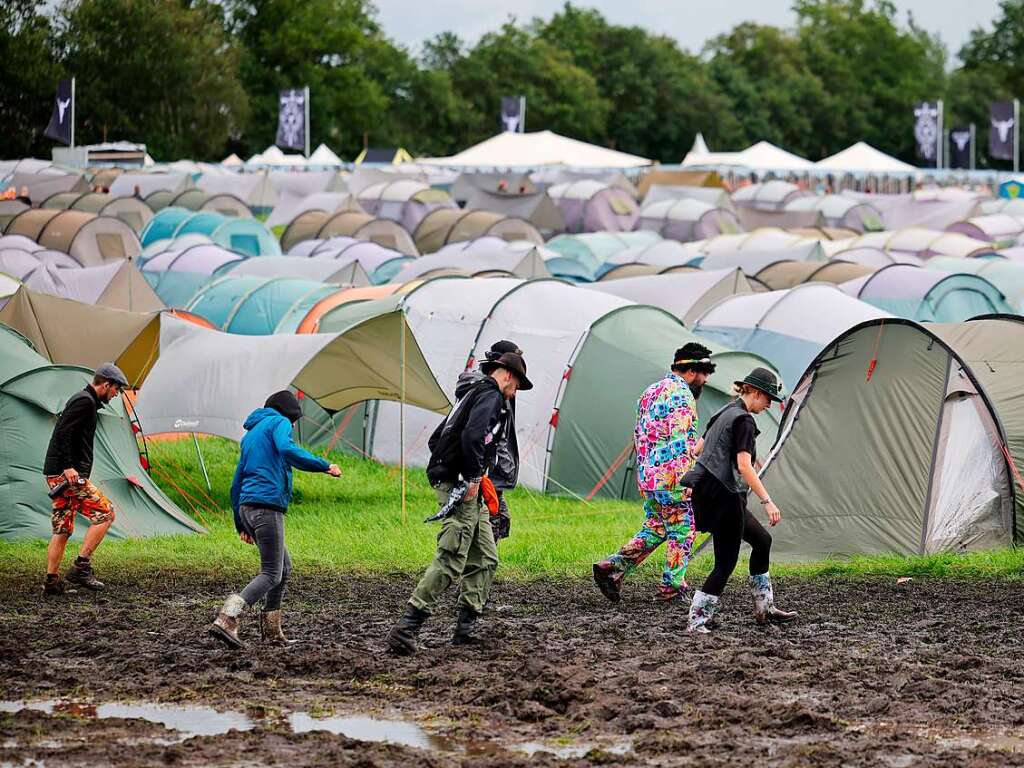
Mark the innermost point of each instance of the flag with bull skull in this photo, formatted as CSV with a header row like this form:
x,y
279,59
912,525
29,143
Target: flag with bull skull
x,y
1003,130
291,119
961,140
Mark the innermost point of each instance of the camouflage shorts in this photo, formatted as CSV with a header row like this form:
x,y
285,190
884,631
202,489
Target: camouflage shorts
x,y
83,499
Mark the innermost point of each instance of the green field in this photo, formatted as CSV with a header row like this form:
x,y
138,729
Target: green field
x,y
356,523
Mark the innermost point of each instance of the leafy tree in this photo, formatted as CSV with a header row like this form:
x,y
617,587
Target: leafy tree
x,y
871,70
153,71
993,70
29,80
660,96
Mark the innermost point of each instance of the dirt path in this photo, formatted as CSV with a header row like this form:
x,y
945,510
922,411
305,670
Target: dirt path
x,y
928,673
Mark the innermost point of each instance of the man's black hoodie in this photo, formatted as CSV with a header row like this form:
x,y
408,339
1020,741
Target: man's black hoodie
x,y
465,444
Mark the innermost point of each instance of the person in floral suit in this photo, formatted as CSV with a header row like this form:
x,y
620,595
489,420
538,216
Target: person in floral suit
x,y
667,443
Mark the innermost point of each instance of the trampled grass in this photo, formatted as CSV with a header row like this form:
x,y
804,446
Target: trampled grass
x,y
356,523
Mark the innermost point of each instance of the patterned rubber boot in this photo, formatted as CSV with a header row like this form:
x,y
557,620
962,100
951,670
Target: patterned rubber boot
x,y
608,580
765,611
702,611
270,629
225,626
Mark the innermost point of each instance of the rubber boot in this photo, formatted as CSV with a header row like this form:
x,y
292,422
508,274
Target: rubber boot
x,y
54,585
270,629
608,580
402,638
81,573
225,626
702,611
765,611
464,627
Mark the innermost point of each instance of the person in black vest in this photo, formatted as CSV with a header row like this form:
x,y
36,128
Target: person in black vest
x,y
463,451
720,480
67,467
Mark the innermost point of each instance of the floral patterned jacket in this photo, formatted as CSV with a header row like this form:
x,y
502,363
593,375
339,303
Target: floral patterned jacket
x,y
665,435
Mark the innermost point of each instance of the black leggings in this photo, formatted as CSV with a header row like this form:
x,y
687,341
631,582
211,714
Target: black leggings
x,y
725,516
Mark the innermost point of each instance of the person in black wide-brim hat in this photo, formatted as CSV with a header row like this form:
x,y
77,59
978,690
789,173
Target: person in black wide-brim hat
x,y
720,480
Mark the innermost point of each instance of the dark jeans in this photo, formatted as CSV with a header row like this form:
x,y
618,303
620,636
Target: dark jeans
x,y
266,526
725,516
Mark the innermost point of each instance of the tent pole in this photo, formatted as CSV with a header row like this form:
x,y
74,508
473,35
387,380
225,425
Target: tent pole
x,y
401,417
73,114
202,463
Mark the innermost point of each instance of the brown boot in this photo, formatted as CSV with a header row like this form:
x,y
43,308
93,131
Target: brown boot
x,y
81,573
54,586
270,629
225,626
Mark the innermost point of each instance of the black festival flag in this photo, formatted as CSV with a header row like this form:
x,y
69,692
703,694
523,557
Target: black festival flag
x,y
60,126
1002,130
961,139
513,114
927,127
291,119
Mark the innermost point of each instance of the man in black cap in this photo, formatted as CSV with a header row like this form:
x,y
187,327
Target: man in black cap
x,y
69,459
463,449
666,442
260,495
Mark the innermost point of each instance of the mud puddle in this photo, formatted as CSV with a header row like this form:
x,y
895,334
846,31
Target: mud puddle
x,y
189,721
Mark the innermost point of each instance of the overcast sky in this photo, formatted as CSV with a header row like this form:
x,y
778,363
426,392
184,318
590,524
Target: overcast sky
x,y
691,22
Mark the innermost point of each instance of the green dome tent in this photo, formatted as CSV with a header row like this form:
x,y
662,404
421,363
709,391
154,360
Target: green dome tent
x,y
32,392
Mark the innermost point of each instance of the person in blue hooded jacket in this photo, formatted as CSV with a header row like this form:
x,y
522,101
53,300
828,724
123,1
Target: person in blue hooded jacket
x,y
260,494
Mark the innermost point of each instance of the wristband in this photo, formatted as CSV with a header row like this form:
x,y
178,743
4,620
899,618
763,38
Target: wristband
x,y
766,502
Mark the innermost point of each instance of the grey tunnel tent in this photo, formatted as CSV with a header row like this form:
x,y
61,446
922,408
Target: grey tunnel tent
x,y
32,392
904,438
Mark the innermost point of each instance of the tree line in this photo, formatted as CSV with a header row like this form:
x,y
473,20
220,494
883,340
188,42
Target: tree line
x,y
199,79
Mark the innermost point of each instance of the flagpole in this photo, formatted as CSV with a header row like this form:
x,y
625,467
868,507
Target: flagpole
x,y
938,138
1016,134
72,113
974,145
305,101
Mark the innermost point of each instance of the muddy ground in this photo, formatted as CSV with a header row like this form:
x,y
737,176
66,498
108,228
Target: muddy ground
x,y
874,674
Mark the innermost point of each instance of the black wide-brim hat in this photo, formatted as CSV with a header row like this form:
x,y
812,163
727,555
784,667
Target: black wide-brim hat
x,y
764,380
510,361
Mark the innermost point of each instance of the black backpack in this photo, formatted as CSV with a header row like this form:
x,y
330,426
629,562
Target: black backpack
x,y
446,441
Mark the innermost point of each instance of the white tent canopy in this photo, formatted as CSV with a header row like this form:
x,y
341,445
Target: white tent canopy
x,y
762,155
863,158
531,150
323,156
230,375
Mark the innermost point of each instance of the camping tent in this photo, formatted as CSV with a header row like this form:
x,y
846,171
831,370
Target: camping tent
x,y
258,305
582,256
117,285
670,180
321,225
686,219
195,199
932,437
510,195
768,196
928,295
380,263
32,393
997,228
923,243
789,274
405,201
246,236
131,210
89,239
256,190
522,262
292,204
204,258
775,324
839,211
230,375
331,271
686,295
1004,274
125,184
590,206
444,226
533,150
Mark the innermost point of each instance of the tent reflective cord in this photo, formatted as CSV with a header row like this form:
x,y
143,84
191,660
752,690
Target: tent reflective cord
x,y
184,494
341,428
612,469
874,354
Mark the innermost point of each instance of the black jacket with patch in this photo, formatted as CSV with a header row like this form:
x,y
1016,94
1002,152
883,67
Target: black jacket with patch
x,y
72,438
466,443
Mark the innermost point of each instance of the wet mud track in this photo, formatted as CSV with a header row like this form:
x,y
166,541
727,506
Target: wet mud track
x,y
929,673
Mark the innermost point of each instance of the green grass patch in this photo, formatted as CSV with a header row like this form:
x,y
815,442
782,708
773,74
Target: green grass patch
x,y
357,523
